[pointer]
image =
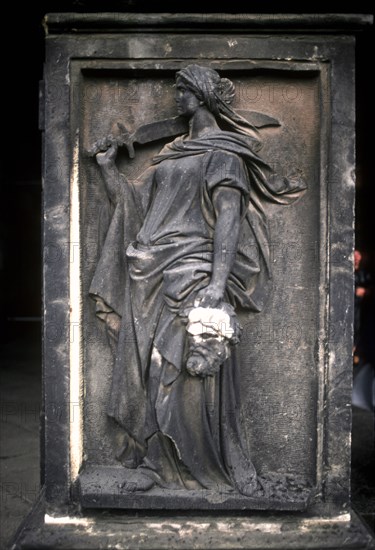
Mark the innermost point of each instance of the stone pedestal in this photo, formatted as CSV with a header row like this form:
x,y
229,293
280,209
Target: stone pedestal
x,y
295,354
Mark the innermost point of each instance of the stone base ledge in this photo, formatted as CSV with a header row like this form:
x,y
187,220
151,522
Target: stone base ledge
x,y
148,530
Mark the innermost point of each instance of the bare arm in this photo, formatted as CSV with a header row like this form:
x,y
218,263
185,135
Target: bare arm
x,y
227,204
114,181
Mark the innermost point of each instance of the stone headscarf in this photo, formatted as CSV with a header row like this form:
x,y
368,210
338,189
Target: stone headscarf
x,y
217,94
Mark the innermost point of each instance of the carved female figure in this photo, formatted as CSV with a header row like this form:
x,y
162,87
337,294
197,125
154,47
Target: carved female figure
x,y
191,248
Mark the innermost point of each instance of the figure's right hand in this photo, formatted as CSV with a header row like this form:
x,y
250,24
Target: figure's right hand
x,y
107,151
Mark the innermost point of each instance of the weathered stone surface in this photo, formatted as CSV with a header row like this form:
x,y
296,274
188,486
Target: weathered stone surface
x,y
294,355
126,530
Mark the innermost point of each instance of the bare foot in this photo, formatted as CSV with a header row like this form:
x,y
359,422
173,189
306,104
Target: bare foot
x,y
137,481
248,488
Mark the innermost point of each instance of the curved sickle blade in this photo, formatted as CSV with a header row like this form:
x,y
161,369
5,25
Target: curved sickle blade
x,y
161,129
259,120
176,126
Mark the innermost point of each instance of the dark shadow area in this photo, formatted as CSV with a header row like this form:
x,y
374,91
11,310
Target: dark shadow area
x,y
363,465
20,378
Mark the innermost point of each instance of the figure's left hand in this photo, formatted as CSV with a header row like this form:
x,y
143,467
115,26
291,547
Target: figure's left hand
x,y
210,296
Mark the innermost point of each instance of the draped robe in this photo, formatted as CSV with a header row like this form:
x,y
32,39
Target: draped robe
x,y
158,253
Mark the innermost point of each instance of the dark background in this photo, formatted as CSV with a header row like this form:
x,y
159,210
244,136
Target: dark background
x,y
21,190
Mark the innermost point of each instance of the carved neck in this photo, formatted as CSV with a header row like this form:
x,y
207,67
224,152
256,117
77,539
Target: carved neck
x,y
201,123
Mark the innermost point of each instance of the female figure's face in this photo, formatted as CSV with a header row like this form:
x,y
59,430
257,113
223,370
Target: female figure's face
x,y
187,102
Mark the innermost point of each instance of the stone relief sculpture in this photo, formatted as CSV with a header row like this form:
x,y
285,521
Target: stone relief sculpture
x,y
192,249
